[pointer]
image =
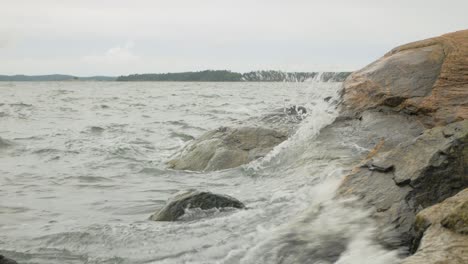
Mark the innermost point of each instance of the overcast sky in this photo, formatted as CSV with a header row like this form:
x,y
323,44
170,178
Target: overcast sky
x,y
116,37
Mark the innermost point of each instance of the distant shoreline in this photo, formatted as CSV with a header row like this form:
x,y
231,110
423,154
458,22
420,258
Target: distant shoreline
x,y
200,76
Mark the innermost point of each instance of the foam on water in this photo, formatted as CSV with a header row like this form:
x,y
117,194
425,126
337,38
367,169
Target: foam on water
x,y
80,185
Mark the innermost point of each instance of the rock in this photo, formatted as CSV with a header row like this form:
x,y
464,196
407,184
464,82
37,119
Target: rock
x,y
226,148
457,220
96,129
194,199
284,120
442,244
415,174
5,260
427,78
425,82
296,110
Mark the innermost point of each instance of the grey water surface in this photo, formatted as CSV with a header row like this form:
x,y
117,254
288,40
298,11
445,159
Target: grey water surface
x,y
82,167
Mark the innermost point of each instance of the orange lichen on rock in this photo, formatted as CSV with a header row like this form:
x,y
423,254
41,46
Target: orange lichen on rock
x,y
427,78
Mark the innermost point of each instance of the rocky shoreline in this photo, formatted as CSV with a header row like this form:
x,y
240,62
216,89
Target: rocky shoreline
x,y
427,83
410,109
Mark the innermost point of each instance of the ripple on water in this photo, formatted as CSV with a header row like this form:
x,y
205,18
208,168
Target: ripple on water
x,y
21,105
183,136
54,151
12,209
184,125
4,143
92,179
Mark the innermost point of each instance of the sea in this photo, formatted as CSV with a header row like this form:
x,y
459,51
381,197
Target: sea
x,y
83,166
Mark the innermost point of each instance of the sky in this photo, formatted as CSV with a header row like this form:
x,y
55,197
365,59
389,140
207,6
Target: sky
x,y
116,37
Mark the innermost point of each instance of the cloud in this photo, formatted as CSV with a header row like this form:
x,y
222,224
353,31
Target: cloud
x,y
7,39
119,55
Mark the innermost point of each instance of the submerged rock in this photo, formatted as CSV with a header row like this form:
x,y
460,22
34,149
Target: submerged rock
x,y
426,78
226,148
5,260
442,232
194,199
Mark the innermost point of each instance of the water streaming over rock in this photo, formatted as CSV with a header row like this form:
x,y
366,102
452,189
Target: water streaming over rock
x,y
82,168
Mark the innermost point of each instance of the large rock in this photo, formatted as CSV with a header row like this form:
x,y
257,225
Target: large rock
x,y
417,173
5,260
194,199
443,229
427,78
226,148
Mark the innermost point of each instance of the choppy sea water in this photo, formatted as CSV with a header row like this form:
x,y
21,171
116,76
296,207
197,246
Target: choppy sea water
x,y
82,167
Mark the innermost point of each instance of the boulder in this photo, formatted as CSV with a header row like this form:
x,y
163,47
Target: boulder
x,y
442,232
427,78
5,260
226,148
194,199
399,182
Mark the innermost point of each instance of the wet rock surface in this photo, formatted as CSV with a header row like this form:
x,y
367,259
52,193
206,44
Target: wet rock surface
x,y
427,78
226,148
411,176
441,232
194,199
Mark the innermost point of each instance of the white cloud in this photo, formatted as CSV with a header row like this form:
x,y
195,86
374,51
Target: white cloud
x,y
120,55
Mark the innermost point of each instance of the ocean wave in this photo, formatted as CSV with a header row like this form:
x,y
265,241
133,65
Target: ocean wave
x,y
21,105
183,136
184,125
47,151
4,143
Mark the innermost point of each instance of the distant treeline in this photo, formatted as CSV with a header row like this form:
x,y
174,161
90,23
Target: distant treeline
x,y
52,78
228,76
201,76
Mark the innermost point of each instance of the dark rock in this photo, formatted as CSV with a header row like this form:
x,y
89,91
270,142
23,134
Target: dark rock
x,y
426,170
373,166
194,199
457,220
96,129
296,110
5,260
441,232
